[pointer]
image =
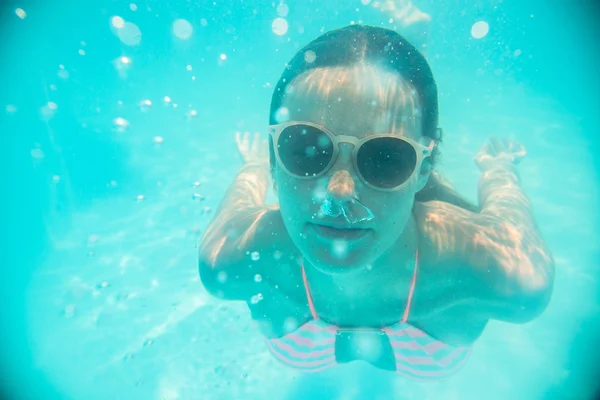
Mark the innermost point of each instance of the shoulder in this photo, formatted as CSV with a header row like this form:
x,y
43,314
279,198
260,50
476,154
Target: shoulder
x,y
235,250
506,270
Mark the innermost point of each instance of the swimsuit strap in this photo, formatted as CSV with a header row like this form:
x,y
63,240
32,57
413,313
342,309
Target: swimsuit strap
x,y
412,287
308,295
408,301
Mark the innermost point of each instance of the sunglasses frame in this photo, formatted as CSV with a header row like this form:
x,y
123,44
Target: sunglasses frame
x,y
421,151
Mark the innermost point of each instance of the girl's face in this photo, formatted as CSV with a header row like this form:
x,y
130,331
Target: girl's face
x,y
359,102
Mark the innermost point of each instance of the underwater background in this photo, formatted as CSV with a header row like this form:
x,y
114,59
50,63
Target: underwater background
x,y
117,121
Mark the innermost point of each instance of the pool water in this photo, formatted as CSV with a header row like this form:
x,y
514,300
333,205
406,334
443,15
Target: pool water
x,y
118,123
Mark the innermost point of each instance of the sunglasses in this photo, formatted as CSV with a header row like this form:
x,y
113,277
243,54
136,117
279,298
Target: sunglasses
x,y
384,162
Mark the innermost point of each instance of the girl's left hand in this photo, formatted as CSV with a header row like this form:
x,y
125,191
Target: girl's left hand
x,y
495,153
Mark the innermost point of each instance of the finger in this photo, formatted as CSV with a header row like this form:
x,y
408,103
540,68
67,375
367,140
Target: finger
x,y
265,147
256,143
497,146
508,144
520,150
238,139
246,139
484,150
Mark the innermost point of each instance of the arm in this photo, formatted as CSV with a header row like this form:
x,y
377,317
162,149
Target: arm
x,y
225,264
510,271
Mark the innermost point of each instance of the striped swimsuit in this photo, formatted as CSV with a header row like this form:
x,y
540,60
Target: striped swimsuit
x,y
402,348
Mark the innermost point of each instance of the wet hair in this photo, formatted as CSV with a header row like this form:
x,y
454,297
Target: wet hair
x,y
356,44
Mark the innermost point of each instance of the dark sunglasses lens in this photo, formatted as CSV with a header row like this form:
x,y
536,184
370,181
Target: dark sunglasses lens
x,y
304,150
386,162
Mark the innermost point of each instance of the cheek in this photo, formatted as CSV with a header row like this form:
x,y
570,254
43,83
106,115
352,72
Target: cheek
x,y
294,195
393,209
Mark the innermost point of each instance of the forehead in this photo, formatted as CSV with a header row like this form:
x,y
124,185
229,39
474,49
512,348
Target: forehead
x,y
356,101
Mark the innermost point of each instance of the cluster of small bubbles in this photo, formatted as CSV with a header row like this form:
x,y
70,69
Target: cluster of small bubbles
x,y
222,277
145,105
256,298
189,67
223,57
121,123
277,255
20,13
283,9
257,278
479,29
310,56
279,26
140,197
339,248
203,22
182,29
517,53
192,113
255,256
198,196
10,109
130,34
81,52
133,7
158,139
167,99
55,179
282,115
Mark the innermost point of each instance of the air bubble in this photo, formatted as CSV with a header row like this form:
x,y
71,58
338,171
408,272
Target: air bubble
x,y
479,29
182,29
279,26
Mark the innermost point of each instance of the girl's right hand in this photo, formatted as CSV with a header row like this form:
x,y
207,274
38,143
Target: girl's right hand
x,y
255,151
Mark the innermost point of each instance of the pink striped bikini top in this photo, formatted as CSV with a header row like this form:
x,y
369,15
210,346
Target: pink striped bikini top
x,y
402,348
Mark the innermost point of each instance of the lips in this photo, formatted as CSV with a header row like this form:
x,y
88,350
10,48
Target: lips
x,y
338,233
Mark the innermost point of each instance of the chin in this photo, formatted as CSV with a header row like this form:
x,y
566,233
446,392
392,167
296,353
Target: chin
x,y
337,256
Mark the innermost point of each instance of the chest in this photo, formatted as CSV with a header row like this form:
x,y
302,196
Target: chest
x,y
281,306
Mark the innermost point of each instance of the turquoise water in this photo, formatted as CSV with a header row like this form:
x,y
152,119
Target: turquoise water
x,y
108,186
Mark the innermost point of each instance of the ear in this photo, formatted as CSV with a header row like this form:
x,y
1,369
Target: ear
x,y
424,174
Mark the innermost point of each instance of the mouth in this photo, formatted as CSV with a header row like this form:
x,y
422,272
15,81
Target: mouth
x,y
330,233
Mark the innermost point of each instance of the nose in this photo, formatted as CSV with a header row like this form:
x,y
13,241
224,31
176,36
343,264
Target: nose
x,y
341,185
